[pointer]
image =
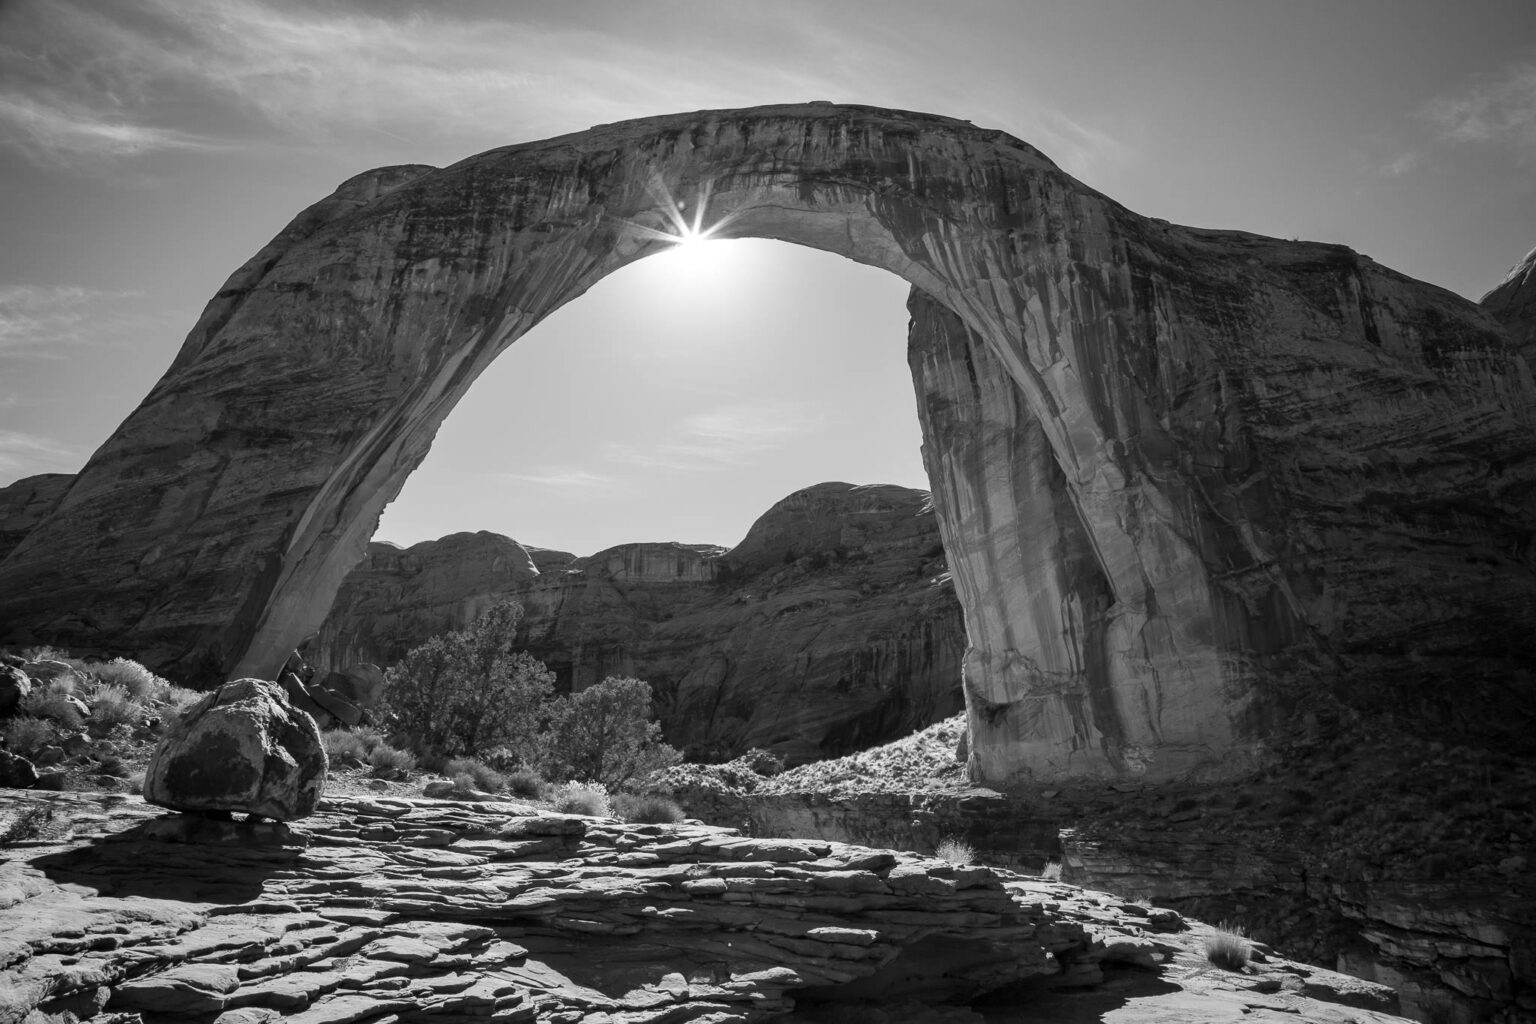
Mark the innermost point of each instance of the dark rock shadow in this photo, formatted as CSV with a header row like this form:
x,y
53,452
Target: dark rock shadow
x,y
1043,1002
179,857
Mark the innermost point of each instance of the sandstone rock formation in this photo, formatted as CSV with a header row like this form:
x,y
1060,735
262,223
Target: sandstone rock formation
x,y
1513,304
1274,470
244,748
830,627
451,911
28,502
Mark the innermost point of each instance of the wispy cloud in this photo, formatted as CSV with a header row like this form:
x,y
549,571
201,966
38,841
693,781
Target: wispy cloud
x,y
23,454
720,438
556,479
46,321
64,131
1399,165
1494,108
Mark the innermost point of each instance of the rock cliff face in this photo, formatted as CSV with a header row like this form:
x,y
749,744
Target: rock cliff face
x,y
1513,304
28,502
830,627
1280,470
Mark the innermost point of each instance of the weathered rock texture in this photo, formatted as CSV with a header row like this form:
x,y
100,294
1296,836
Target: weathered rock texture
x,y
1279,467
441,911
830,627
243,748
28,502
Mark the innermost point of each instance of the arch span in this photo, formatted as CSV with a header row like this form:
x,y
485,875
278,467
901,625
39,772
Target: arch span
x,y
1149,444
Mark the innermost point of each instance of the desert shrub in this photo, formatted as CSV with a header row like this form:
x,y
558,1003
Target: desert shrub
x,y
464,782
26,823
1052,870
646,808
386,759
955,850
26,735
51,702
113,705
526,782
466,691
1227,949
762,762
343,745
480,776
604,734
112,765
139,682
178,697
581,798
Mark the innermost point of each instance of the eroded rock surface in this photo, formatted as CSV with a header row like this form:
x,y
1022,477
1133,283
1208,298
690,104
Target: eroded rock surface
x,y
830,627
390,909
244,747
1282,469
28,502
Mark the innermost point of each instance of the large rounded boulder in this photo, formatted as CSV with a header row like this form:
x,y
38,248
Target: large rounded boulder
x,y
243,747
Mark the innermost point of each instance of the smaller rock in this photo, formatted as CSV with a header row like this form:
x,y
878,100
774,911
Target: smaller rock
x,y
16,772
50,755
47,671
15,685
55,781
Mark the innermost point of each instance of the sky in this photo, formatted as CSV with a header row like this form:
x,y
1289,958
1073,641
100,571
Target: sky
x,y
148,148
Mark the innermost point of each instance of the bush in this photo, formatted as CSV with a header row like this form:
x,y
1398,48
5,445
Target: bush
x,y
25,735
52,702
646,808
466,691
581,798
387,760
343,745
527,782
956,851
138,681
604,734
1227,949
113,705
480,776
762,762
112,765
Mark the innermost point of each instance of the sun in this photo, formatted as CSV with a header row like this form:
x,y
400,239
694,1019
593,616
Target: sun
x,y
685,232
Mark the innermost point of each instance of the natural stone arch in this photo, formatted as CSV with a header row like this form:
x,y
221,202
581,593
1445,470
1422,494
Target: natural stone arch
x,y
1081,366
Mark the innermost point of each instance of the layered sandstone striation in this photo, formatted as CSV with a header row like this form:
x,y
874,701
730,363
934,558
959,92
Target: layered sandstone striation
x,y
28,502
1190,480
384,909
830,627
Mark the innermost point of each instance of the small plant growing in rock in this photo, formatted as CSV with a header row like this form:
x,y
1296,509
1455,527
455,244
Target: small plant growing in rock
x,y
581,798
1051,871
1227,948
26,824
955,850
140,683
53,702
113,705
647,808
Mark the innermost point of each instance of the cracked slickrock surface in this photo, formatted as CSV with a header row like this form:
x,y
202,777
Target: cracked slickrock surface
x,y
390,909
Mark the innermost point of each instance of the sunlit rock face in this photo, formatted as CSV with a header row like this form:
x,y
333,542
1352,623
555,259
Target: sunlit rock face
x,y
1513,304
831,627
1296,471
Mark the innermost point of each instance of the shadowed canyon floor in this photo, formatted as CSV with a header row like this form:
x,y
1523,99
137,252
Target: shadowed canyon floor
x,y
394,909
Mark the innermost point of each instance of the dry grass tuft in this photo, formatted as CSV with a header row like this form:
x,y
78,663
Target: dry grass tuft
x,y
647,808
955,850
1227,948
581,798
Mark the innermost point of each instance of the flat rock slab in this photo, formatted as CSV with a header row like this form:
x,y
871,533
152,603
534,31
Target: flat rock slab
x,y
109,917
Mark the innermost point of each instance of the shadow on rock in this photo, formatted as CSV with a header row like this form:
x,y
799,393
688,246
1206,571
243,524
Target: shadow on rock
x,y
182,857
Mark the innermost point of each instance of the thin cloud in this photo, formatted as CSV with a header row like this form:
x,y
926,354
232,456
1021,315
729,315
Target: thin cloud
x,y
67,132
23,454
45,321
1399,165
715,440
1495,108
562,479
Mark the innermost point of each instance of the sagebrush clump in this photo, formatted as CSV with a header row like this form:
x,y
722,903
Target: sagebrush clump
x,y
955,850
1227,948
581,798
646,808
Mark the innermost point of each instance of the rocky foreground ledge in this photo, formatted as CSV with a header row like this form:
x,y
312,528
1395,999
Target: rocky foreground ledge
x,y
379,909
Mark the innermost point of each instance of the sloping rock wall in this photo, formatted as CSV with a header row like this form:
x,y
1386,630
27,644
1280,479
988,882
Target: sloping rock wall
x,y
1295,470
28,502
830,627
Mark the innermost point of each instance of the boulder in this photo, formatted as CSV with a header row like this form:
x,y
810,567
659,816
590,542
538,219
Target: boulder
x,y
361,684
47,670
14,687
16,772
243,747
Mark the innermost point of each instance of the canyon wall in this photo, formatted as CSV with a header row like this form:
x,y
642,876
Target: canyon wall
x,y
832,626
1284,476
